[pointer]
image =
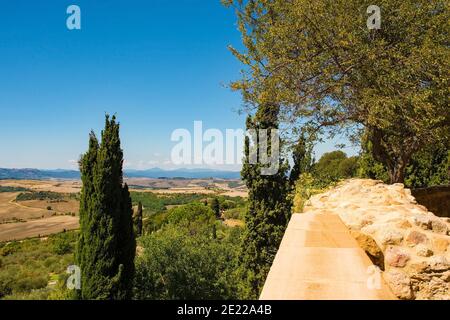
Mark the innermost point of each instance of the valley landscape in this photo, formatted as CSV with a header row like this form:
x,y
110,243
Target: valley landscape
x,y
38,208
226,151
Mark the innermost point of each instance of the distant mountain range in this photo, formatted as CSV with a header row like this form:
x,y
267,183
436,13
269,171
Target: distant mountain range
x,y
36,174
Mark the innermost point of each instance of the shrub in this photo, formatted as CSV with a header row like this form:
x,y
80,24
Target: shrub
x,y
5,286
228,204
9,249
179,265
154,222
235,213
30,283
305,187
193,213
62,244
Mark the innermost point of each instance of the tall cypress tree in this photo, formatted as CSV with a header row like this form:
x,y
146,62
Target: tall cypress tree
x,y
269,207
302,157
215,206
106,246
137,219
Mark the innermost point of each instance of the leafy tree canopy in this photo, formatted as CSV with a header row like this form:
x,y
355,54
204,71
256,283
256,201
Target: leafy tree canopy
x,y
320,63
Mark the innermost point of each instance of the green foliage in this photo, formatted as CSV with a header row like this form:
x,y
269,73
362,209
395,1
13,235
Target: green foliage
x,y
191,216
154,203
106,247
151,202
368,166
429,167
320,63
40,195
334,166
46,196
27,265
154,222
12,189
137,220
268,212
215,206
305,187
178,264
302,157
63,243
235,213
228,204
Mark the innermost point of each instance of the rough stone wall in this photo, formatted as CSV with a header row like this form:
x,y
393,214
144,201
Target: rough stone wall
x,y
403,238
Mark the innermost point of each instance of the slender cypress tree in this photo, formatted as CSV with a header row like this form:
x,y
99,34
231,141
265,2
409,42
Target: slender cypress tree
x,y
215,206
269,207
106,246
138,220
302,157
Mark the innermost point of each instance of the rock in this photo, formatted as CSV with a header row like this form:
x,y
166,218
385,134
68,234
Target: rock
x,y
423,251
418,267
396,257
370,246
415,243
415,238
366,222
423,221
434,288
446,276
439,263
439,226
400,284
404,224
440,245
390,236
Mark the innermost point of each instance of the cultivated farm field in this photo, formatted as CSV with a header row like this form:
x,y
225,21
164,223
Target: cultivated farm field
x,y
38,208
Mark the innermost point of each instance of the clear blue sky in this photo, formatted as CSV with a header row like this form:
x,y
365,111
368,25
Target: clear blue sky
x,y
158,64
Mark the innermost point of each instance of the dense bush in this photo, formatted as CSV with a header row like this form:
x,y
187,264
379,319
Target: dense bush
x,y
63,243
191,217
429,167
154,222
227,204
334,166
235,213
178,264
192,256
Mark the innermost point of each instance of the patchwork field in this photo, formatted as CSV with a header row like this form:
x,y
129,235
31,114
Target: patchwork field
x,y
36,208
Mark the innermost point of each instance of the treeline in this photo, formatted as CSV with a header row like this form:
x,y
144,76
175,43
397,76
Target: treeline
x,y
429,167
12,189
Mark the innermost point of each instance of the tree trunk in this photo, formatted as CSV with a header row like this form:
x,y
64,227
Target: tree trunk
x,y
397,173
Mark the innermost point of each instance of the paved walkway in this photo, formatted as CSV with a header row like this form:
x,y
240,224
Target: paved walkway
x,y
318,259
